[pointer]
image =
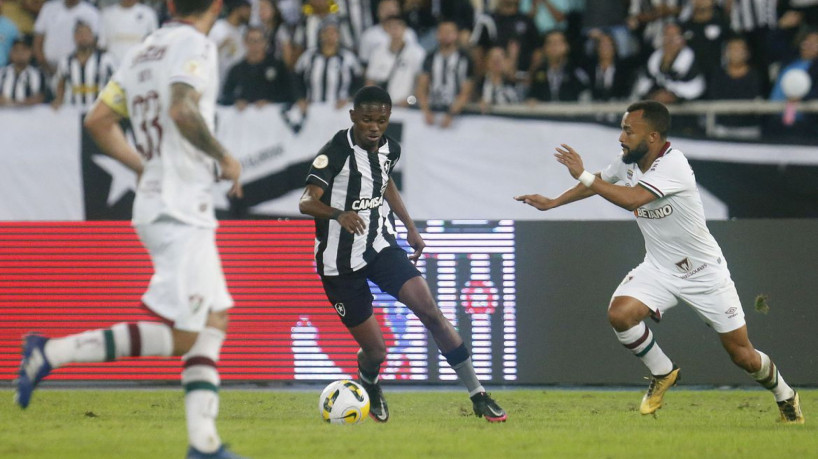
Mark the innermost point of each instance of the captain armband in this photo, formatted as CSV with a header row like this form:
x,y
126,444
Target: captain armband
x,y
114,97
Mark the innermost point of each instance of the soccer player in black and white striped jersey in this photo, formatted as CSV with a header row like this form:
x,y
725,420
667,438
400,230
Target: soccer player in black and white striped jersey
x,y
20,82
82,75
352,197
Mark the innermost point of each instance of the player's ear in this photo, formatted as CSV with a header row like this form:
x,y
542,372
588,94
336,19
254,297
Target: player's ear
x,y
352,114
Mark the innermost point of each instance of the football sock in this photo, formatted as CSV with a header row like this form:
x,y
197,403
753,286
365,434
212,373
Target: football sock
x,y
200,379
641,342
102,345
460,361
367,376
769,377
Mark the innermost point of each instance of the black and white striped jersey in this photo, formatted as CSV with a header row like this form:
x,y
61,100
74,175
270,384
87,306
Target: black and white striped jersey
x,y
320,78
83,82
447,75
18,87
353,179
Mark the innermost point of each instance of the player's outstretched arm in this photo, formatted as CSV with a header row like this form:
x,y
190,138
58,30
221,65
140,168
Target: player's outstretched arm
x,y
184,111
629,198
102,122
413,237
310,204
570,195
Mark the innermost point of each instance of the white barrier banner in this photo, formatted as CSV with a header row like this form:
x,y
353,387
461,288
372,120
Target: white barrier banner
x,y
469,171
40,154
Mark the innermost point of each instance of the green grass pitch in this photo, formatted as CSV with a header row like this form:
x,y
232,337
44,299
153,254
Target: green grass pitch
x,y
424,424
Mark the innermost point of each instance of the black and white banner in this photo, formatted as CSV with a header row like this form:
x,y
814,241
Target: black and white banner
x,y
469,171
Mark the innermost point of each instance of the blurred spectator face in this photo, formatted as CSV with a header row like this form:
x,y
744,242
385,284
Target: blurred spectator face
x,y
673,41
84,37
605,48
20,54
330,36
496,60
508,7
809,47
387,8
267,11
703,5
736,52
256,45
446,34
395,27
556,46
243,13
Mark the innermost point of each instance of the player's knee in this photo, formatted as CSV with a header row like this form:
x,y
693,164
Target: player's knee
x,y
619,318
744,357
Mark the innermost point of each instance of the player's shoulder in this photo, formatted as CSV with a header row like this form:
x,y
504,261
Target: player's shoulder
x,y
339,145
394,145
673,158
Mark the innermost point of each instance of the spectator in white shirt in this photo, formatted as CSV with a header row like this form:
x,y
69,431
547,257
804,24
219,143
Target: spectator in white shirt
x,y
396,65
54,30
228,34
125,25
377,36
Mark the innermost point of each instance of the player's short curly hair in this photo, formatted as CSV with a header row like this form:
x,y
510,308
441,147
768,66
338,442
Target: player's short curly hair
x,y
372,95
191,7
655,113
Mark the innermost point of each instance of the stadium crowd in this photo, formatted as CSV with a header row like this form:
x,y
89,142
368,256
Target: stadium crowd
x,y
436,55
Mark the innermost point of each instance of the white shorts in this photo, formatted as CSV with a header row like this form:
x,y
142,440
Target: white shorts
x,y
188,282
711,294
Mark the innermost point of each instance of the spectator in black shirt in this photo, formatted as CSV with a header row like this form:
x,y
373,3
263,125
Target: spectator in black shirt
x,y
556,78
611,77
259,78
510,29
736,80
705,33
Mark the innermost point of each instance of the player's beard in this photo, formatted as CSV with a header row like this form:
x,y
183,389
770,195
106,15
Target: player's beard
x,y
633,155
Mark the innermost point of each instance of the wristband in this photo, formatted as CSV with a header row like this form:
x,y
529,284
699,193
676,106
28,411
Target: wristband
x,y
335,214
587,178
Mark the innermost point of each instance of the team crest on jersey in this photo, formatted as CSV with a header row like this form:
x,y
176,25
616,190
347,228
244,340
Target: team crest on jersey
x,y
340,309
630,174
320,162
193,68
387,166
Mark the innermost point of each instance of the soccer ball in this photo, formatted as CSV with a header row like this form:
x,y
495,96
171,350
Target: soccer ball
x,y
344,402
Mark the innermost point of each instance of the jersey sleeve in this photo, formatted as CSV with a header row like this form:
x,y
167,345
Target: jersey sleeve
x,y
667,176
193,62
326,165
615,171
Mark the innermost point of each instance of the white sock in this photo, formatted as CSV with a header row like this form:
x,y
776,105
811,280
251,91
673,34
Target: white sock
x,y
102,345
200,378
640,341
769,377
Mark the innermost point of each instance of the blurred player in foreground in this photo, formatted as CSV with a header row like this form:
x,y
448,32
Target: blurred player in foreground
x,y
352,196
683,260
167,86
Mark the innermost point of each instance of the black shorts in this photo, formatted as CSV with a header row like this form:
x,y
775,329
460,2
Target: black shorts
x,y
349,294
